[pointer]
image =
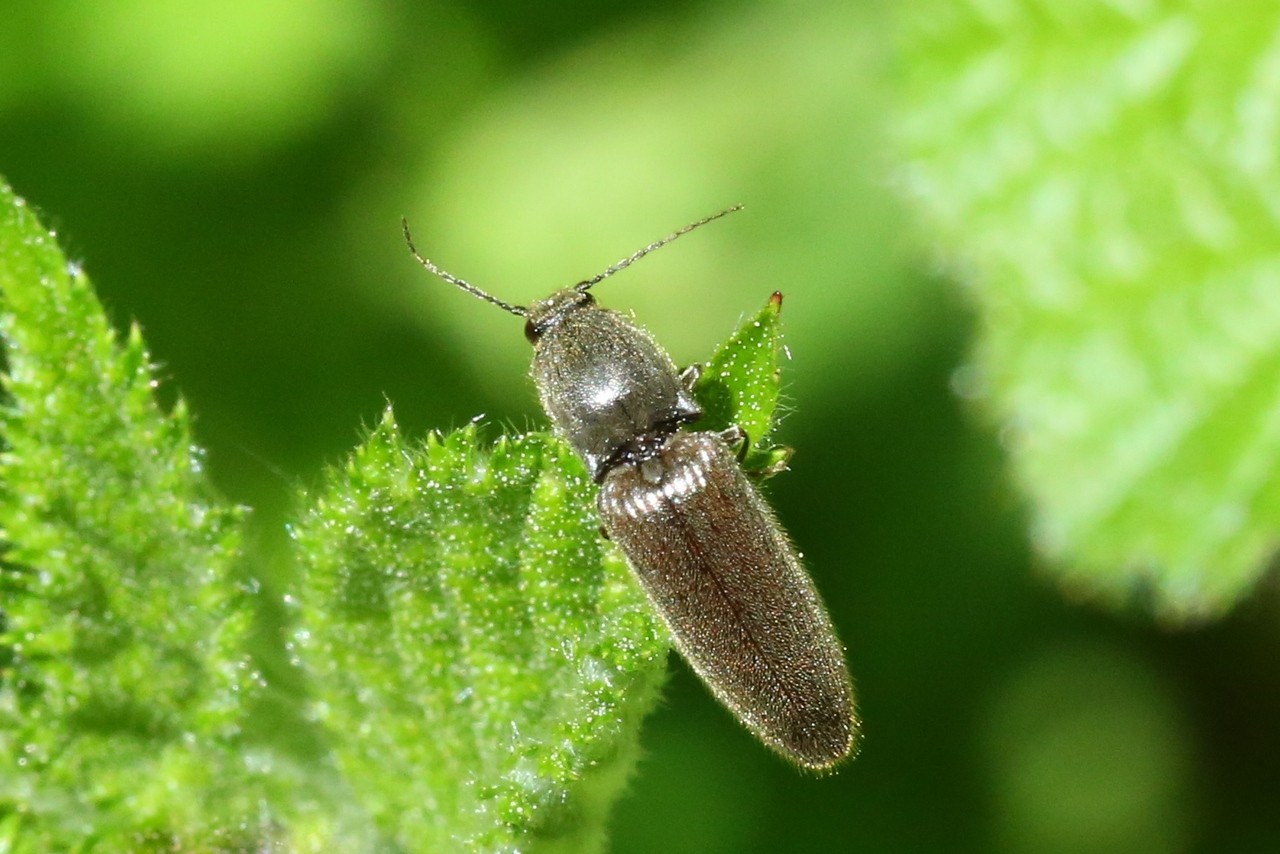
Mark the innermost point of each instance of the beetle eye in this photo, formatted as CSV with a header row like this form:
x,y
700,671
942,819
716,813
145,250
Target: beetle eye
x,y
532,332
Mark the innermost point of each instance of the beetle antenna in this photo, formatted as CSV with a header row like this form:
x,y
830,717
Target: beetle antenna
x,y
657,244
517,310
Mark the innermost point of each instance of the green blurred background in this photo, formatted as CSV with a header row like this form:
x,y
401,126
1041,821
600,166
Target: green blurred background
x,y
232,176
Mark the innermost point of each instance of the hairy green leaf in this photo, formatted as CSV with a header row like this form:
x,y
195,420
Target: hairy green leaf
x,y
481,657
123,667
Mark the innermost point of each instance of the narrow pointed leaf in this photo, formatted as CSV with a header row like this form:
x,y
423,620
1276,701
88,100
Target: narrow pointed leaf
x,y
742,384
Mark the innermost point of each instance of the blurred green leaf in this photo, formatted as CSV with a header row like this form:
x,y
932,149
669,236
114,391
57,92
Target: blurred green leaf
x,y
123,672
1110,172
